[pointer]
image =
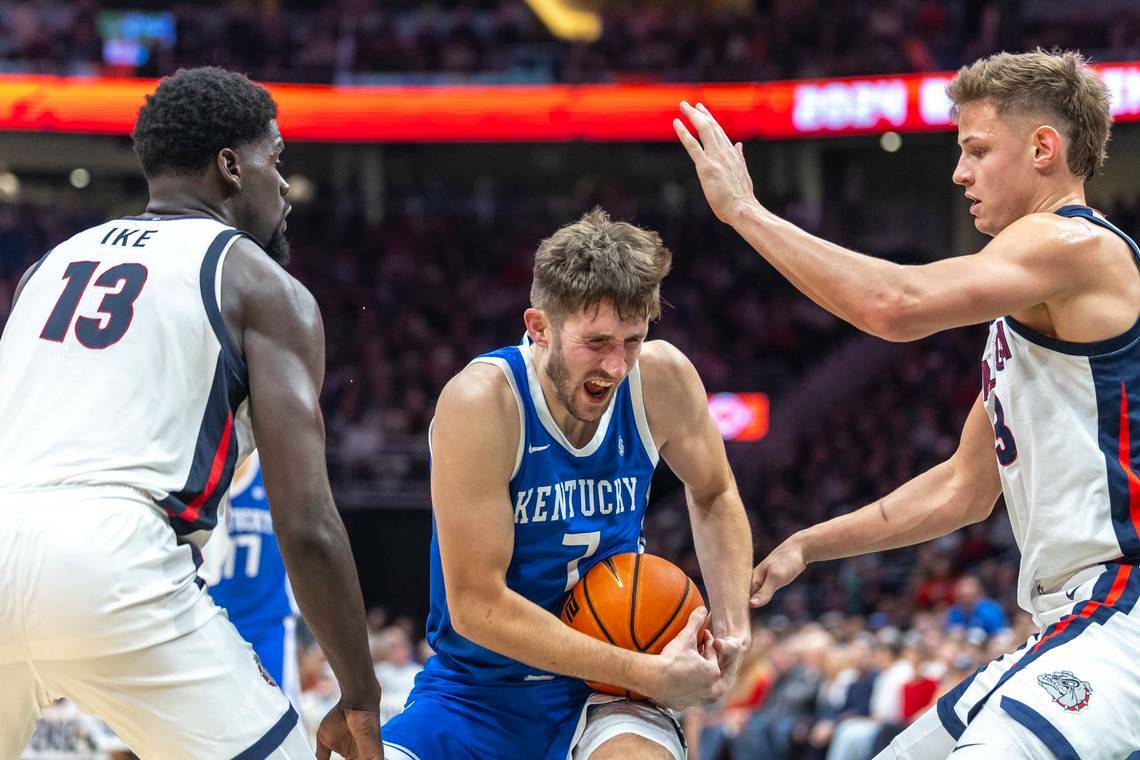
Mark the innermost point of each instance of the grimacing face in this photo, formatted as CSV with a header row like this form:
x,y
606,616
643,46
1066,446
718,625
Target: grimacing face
x,y
591,353
996,166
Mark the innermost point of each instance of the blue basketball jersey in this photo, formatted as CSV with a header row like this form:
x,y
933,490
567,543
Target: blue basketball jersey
x,y
253,587
572,507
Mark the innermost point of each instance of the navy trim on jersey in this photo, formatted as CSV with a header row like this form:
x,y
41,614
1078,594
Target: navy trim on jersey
x,y
1084,212
1041,728
165,217
273,738
35,267
1074,348
945,706
1115,378
210,301
213,465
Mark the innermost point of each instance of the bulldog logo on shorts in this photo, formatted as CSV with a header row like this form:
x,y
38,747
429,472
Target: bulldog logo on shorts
x,y
1067,690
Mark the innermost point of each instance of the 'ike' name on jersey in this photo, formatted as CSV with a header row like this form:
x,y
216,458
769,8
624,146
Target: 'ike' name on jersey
x,y
558,501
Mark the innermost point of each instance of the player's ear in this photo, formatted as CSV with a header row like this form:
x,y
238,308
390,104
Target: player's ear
x,y
538,327
230,169
1048,149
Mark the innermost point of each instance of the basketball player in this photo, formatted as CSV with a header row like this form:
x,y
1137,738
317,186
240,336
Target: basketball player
x,y
139,357
542,455
243,569
1052,426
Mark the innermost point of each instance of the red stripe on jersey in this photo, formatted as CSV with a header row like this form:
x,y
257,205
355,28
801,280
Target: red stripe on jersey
x,y
1125,456
1119,583
194,507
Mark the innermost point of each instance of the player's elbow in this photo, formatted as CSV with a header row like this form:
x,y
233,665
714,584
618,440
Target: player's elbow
x,y
891,316
472,612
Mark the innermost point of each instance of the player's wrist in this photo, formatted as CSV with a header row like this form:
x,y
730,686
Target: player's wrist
x,y
743,211
644,671
361,696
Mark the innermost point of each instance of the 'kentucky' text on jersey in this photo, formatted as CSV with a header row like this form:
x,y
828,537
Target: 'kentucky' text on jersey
x,y
572,506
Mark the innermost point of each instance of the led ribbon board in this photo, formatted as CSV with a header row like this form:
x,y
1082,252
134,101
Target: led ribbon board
x,y
512,113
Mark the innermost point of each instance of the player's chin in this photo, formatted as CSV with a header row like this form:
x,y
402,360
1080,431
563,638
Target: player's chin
x,y
278,246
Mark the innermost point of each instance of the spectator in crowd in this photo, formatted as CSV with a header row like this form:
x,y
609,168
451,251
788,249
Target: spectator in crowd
x,y
973,609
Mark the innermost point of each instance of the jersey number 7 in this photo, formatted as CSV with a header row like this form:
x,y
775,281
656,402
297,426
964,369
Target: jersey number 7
x,y
123,282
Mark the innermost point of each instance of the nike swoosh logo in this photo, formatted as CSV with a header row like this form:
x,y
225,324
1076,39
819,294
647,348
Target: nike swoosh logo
x,y
1071,593
532,449
963,746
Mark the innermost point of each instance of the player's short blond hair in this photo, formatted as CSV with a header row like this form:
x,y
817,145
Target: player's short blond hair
x,y
1059,85
597,261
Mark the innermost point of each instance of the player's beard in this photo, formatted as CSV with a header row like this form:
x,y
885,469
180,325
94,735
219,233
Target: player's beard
x,y
278,247
559,375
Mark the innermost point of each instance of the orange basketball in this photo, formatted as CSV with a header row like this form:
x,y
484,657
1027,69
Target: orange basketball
x,y
634,601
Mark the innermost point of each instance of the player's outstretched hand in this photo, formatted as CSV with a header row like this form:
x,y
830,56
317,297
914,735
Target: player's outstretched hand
x,y
720,164
778,569
689,674
353,734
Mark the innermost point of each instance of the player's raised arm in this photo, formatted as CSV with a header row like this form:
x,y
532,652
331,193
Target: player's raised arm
x,y
474,447
677,406
1031,261
282,337
958,492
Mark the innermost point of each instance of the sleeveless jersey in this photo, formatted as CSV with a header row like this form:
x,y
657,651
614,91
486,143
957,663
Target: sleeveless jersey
x,y
116,369
250,581
572,507
1065,415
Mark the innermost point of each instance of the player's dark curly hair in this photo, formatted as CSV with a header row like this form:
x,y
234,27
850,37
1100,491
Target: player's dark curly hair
x,y
195,113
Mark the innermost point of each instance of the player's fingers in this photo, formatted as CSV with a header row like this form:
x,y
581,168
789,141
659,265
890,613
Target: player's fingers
x,y
715,129
740,149
706,126
710,653
767,590
692,145
758,576
696,620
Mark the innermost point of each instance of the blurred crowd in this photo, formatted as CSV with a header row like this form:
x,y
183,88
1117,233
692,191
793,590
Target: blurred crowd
x,y
503,41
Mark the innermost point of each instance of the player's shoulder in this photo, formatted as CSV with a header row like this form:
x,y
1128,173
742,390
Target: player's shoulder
x,y
1060,238
670,384
479,389
663,364
477,421
263,285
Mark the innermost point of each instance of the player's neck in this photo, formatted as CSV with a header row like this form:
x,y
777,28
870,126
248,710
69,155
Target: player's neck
x,y
1054,198
171,197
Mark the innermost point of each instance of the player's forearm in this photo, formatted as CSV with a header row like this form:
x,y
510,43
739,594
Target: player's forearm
x,y
929,506
723,540
508,623
859,289
323,577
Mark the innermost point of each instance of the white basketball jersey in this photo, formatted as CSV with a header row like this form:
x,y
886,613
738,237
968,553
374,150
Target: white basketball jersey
x,y
1064,415
116,370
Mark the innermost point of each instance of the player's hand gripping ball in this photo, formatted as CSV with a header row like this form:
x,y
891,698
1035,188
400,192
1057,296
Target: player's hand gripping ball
x,y
634,601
